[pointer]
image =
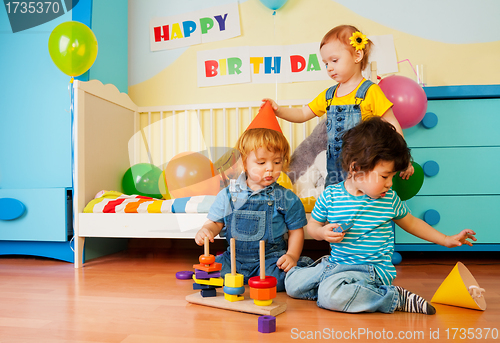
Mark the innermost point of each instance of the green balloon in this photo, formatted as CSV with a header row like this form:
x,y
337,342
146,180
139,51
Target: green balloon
x,y
73,47
142,179
407,189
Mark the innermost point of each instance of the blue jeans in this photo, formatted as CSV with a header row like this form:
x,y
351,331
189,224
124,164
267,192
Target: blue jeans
x,y
341,287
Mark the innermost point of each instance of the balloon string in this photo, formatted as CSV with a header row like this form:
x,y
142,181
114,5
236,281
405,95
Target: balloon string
x,y
71,90
276,74
411,65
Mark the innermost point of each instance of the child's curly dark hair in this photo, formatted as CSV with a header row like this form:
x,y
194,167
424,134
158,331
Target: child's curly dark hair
x,y
371,141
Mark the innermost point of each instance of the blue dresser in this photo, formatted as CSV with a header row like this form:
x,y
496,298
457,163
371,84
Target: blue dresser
x,y
458,146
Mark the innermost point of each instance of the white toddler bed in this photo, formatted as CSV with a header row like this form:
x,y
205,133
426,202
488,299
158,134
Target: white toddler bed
x,y
111,133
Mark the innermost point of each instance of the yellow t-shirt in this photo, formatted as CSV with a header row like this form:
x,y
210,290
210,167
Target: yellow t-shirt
x,y
374,104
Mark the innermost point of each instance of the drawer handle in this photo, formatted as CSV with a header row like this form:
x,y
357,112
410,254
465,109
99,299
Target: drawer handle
x,y
432,217
431,168
11,209
430,120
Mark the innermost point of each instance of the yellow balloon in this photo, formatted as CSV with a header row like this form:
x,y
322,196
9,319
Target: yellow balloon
x,y
72,47
285,181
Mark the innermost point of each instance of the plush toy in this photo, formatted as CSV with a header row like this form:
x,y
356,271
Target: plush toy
x,y
308,164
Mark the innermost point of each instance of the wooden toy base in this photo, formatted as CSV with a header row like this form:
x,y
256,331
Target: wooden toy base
x,y
247,305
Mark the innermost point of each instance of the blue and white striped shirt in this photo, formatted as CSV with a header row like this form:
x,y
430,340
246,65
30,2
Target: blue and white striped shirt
x,y
371,239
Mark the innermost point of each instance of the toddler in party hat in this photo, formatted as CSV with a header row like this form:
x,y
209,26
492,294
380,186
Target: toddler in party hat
x,y
255,207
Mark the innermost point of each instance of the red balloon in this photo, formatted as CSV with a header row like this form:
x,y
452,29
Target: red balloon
x,y
409,99
191,173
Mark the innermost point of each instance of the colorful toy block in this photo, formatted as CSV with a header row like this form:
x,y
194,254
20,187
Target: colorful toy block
x,y
263,302
344,227
234,283
184,275
259,282
263,293
233,298
234,290
267,324
207,259
200,274
214,267
212,282
207,280
197,286
262,288
235,280
208,292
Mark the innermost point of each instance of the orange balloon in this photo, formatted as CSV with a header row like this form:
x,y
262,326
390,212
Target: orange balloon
x,y
162,186
191,173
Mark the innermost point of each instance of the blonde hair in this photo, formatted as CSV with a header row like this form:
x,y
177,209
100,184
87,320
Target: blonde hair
x,y
272,140
342,33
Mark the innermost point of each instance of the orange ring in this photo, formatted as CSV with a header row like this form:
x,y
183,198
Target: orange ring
x,y
207,259
268,282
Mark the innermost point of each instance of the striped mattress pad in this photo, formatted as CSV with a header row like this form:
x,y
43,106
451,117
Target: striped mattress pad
x,y
116,202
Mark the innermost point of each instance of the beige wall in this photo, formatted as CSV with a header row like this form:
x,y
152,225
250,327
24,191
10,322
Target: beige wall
x,y
298,22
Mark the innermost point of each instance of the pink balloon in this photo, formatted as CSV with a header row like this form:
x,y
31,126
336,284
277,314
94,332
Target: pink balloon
x,y
409,99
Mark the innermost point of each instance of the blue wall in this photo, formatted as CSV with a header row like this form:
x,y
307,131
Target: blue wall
x,y
110,25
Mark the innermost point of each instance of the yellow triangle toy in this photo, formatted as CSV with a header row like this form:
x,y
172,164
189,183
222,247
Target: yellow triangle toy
x,y
460,289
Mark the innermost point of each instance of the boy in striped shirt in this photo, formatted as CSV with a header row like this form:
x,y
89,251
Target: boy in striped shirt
x,y
357,275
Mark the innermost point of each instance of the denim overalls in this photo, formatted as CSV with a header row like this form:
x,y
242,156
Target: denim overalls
x,y
340,118
250,221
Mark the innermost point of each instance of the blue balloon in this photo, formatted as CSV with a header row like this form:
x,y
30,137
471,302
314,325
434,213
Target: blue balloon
x,y
273,4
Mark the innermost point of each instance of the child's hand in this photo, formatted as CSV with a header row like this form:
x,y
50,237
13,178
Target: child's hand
x,y
201,234
405,174
286,262
459,239
274,105
330,236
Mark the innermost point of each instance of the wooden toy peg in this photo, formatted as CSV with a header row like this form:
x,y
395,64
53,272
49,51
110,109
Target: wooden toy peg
x,y
232,244
262,257
207,259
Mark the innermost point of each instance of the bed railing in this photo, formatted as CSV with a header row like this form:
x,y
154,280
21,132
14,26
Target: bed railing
x,y
164,131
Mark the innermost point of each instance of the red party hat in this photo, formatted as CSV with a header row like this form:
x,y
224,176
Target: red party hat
x,y
265,119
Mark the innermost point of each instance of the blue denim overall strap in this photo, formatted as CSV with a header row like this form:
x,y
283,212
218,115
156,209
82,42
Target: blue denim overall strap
x,y
251,220
340,118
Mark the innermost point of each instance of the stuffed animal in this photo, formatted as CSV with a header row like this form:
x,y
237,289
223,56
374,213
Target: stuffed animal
x,y
308,164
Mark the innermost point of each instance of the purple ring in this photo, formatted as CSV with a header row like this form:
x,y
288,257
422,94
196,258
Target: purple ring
x,y
184,275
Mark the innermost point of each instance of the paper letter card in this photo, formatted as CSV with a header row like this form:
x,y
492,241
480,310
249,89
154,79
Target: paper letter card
x,y
203,26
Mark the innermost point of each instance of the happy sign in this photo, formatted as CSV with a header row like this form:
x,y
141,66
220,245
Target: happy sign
x,y
207,25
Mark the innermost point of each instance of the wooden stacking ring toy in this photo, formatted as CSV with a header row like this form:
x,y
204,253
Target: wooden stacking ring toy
x,y
207,277
262,288
234,287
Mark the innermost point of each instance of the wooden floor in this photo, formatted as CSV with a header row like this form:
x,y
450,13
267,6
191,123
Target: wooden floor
x,y
134,297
